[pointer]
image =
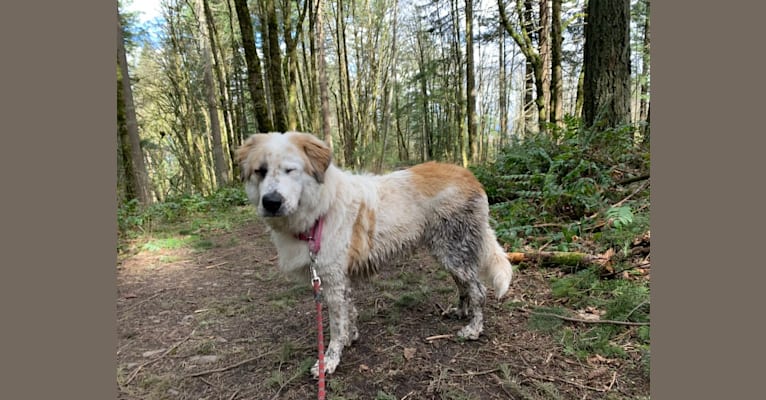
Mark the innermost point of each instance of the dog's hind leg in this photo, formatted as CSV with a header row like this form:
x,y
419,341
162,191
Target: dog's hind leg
x,y
353,315
456,245
472,296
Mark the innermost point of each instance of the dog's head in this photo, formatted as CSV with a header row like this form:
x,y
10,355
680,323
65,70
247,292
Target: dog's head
x,y
281,171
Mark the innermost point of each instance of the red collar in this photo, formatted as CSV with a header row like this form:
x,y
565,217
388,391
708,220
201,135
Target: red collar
x,y
313,236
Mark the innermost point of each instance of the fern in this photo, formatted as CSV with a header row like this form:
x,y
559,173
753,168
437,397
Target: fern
x,y
621,216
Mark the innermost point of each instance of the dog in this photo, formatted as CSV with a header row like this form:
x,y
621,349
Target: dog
x,y
368,221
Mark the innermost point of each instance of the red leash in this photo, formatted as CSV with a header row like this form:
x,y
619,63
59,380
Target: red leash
x,y
320,335
314,237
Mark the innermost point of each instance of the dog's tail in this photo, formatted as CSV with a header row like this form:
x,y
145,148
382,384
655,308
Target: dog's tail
x,y
497,269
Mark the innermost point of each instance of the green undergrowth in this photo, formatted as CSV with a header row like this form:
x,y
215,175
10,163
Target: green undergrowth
x,y
182,221
561,185
578,190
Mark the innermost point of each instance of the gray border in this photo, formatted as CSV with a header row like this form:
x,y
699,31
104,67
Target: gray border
x,y
707,179
57,291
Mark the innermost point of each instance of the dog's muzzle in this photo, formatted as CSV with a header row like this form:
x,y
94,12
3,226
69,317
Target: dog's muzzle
x,y
272,202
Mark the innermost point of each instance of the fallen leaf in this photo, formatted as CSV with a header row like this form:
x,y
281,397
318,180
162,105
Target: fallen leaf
x,y
363,368
409,352
598,372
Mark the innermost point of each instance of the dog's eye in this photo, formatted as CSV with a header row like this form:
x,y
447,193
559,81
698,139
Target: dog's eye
x,y
261,172
289,170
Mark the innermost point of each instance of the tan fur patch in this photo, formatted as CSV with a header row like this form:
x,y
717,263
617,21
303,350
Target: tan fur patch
x,y
244,152
318,154
431,178
361,242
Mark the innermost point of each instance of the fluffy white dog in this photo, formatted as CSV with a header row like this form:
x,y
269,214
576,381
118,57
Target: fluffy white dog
x,y
367,221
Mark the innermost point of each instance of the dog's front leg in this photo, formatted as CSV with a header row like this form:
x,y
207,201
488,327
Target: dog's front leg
x,y
338,307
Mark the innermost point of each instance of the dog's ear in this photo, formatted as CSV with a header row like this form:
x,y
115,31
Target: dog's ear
x,y
318,154
241,154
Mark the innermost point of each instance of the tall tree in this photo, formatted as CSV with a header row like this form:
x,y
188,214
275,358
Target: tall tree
x,y
557,84
221,71
470,82
274,57
324,99
606,86
291,44
502,77
538,57
543,87
139,177
219,163
643,112
254,74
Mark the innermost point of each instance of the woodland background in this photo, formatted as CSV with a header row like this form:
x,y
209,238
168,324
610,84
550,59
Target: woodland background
x,y
388,83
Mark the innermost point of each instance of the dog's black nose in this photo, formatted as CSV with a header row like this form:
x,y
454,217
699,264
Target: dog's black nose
x,y
272,202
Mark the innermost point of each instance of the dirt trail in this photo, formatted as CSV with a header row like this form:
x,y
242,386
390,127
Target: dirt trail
x,y
186,312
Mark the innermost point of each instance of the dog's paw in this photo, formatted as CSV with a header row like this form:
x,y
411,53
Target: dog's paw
x,y
469,333
329,367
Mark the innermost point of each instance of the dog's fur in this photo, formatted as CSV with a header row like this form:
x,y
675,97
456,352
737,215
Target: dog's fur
x,y
368,222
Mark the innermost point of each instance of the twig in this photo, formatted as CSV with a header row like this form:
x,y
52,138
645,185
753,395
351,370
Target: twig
x,y
407,395
222,369
588,321
614,378
437,337
138,369
640,188
469,373
636,308
555,378
216,265
579,385
233,395
132,306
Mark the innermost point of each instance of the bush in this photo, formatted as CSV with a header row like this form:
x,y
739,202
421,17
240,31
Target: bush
x,y
565,175
131,217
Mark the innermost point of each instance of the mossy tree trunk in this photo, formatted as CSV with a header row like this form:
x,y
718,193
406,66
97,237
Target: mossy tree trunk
x,y
606,86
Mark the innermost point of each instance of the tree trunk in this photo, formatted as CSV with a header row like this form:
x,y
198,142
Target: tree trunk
x,y
276,80
254,74
291,43
606,88
219,163
470,83
557,84
324,98
221,71
426,123
389,93
579,98
643,104
137,169
537,59
543,70
502,76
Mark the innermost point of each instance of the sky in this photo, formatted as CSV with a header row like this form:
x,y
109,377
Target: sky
x,y
148,9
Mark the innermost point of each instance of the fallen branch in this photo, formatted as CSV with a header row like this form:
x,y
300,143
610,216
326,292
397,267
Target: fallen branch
x,y
222,369
469,373
631,180
589,321
567,258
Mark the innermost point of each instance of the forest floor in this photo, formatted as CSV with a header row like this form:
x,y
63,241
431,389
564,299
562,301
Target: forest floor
x,y
204,314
